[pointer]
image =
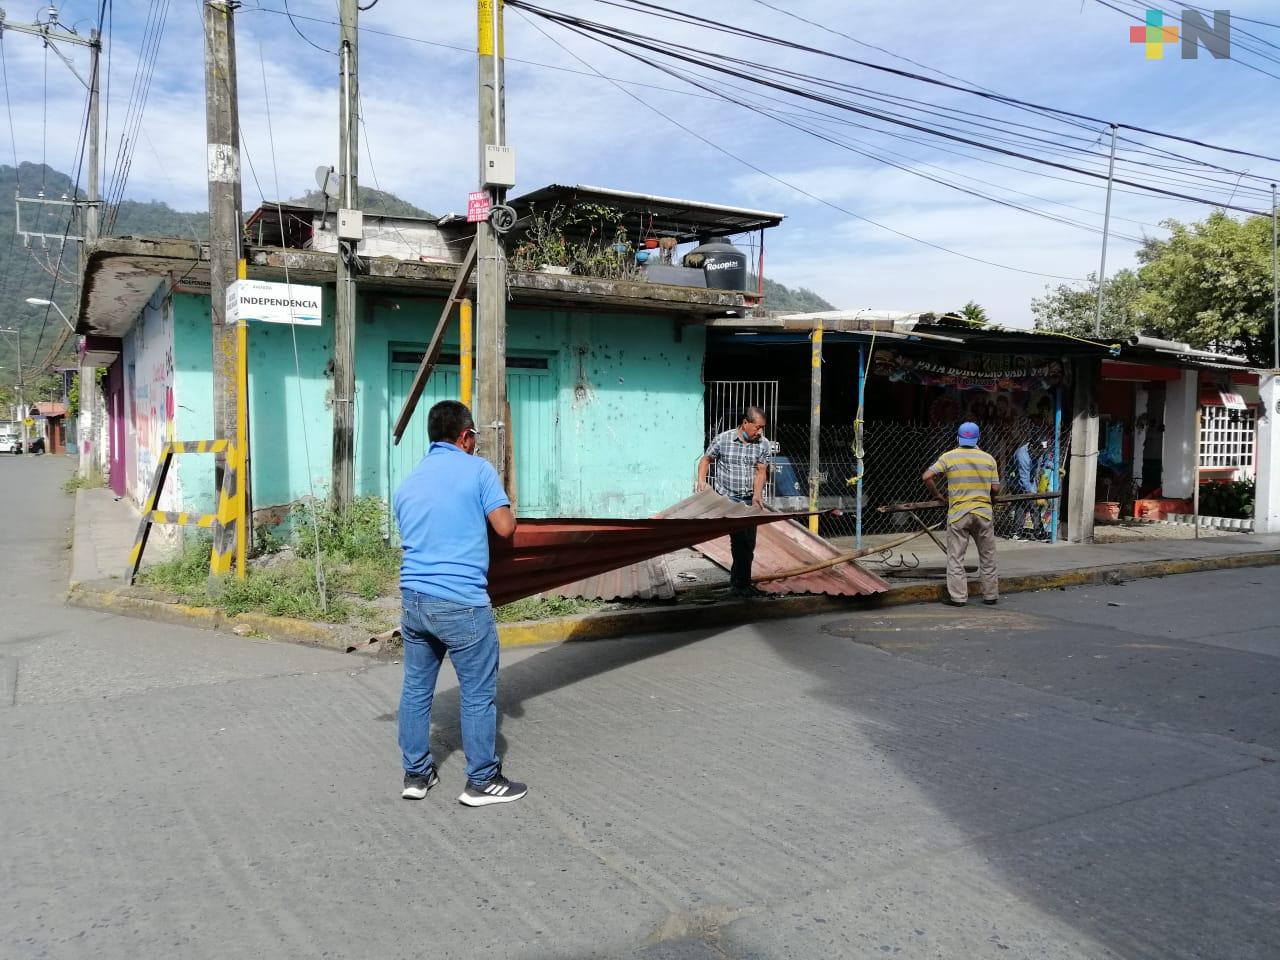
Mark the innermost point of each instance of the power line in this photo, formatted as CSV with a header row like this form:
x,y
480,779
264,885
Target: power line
x,y
298,30
717,63
791,186
689,18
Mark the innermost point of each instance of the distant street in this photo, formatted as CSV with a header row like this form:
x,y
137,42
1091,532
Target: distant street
x,y
1073,774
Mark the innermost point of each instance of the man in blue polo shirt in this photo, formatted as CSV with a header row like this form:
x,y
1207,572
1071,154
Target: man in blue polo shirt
x,y
445,509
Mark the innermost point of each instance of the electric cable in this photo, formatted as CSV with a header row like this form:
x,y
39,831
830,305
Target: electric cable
x,y
718,26
591,33
298,30
789,185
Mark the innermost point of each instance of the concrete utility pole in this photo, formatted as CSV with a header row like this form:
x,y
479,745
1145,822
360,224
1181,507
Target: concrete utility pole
x,y
222,130
491,267
51,36
22,402
350,232
1106,231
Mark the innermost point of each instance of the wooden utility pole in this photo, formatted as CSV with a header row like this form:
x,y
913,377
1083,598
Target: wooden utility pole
x,y
222,129
350,232
491,268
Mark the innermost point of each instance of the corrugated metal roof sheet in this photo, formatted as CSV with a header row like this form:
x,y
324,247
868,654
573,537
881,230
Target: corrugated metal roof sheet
x,y
786,546
546,554
781,547
647,580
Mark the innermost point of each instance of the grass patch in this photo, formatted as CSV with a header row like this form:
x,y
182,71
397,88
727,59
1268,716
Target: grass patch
x,y
356,562
76,482
359,566
544,608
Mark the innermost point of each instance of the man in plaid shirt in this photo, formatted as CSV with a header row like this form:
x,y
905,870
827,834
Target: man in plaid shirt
x,y
741,456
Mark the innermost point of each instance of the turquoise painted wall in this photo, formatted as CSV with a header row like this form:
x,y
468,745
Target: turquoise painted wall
x,y
630,412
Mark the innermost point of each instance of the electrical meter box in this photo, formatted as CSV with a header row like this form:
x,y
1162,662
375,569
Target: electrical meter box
x,y
350,225
499,166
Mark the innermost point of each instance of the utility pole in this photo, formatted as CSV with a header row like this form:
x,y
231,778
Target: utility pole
x,y
91,213
47,30
1106,229
350,232
22,402
496,175
1275,288
222,132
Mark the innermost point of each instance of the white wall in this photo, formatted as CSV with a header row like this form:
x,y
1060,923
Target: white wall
x,y
1180,453
1266,511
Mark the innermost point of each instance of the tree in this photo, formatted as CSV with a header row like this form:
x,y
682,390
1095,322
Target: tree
x,y
1210,284
1070,308
975,314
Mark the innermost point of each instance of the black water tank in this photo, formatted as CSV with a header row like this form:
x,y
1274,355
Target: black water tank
x,y
724,265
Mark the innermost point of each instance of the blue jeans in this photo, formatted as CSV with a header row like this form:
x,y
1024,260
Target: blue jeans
x,y
431,628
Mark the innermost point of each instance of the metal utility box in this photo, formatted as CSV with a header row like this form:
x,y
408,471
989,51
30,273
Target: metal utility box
x,y
350,225
499,166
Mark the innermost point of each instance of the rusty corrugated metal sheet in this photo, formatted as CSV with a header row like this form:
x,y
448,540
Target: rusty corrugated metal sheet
x,y
648,580
787,546
545,554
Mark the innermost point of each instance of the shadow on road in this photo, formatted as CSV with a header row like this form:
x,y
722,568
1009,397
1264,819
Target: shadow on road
x,y
1108,803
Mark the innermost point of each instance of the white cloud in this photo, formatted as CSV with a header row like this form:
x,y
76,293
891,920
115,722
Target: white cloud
x,y
420,107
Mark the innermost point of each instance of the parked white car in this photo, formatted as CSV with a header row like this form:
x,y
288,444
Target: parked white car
x,y
10,438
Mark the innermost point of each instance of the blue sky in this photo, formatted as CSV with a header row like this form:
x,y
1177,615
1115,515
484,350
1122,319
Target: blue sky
x,y
419,103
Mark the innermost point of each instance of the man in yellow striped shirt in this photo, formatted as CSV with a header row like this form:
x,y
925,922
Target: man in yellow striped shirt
x,y
972,480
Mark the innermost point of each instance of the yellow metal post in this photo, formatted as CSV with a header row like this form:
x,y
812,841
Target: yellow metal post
x,y
815,424
242,447
465,348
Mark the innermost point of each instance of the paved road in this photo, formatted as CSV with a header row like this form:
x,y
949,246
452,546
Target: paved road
x,y
1057,777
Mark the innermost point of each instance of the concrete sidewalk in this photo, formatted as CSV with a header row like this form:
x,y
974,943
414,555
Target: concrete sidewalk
x,y
102,536
105,528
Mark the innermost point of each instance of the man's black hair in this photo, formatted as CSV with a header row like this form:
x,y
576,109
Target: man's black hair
x,y
447,420
749,415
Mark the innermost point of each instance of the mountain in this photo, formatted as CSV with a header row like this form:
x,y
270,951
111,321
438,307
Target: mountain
x,y
26,270
377,202
27,267
779,298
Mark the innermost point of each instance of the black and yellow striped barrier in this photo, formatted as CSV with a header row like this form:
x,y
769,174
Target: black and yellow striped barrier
x,y
223,523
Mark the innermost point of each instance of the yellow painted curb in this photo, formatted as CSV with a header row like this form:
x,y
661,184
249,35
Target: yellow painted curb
x,y
621,623
667,619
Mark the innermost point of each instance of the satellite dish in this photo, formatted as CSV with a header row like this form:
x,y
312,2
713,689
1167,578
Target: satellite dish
x,y
327,181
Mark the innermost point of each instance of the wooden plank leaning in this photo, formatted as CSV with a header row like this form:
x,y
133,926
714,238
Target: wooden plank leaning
x,y
1003,498
433,349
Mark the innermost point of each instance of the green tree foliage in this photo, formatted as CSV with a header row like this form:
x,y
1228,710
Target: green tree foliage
x,y
1208,284
374,202
975,314
27,271
1067,308
780,298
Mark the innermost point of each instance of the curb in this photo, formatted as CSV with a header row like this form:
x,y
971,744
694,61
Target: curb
x,y
621,623
208,618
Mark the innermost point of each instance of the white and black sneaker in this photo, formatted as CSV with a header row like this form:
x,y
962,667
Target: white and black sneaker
x,y
416,785
497,790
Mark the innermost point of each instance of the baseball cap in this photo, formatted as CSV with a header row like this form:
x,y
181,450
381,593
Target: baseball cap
x,y
967,435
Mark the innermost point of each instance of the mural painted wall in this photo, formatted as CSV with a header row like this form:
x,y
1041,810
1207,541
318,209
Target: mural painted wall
x,y
150,404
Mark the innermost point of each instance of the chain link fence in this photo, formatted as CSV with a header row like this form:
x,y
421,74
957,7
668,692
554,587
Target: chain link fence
x,y
894,455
